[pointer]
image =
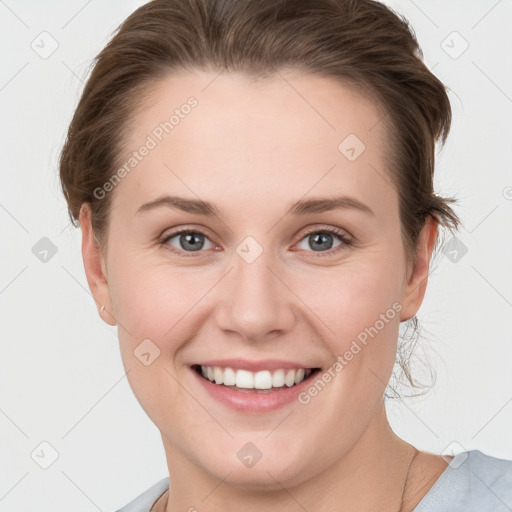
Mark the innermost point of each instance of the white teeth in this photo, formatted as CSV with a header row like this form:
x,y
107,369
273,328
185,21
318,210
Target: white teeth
x,y
218,375
244,379
299,376
278,379
263,380
229,378
289,378
255,380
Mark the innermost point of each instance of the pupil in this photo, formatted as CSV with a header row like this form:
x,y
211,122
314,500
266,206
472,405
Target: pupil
x,y
192,241
321,238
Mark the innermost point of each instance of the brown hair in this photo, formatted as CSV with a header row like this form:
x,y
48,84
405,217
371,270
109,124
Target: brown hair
x,y
359,42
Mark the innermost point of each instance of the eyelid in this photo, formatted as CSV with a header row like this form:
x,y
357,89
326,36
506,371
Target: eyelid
x,y
172,232
327,229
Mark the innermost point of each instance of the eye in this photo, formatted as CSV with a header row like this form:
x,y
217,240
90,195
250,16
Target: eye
x,y
322,240
187,240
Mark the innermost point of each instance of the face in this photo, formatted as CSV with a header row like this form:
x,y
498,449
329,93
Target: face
x,y
297,262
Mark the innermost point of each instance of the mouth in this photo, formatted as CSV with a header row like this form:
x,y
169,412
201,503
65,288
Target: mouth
x,y
263,381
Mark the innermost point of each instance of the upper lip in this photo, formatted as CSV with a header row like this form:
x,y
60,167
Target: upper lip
x,y
254,366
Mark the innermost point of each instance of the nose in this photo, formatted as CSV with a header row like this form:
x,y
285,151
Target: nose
x,y
257,304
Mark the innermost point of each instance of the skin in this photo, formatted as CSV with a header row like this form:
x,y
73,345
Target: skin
x,y
252,149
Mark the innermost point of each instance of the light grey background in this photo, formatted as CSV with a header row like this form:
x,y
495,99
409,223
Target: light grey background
x,y
62,380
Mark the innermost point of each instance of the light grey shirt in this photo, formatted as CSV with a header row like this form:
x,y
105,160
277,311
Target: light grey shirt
x,y
473,482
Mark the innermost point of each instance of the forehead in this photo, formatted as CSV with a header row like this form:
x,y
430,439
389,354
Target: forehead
x,y
225,135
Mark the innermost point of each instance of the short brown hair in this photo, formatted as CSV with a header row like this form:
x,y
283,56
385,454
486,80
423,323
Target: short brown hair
x,y
359,42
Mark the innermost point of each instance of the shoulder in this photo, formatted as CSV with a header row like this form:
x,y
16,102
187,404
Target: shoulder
x,y
472,481
145,501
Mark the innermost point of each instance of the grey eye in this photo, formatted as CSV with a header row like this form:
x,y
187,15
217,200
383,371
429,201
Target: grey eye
x,y
320,241
190,241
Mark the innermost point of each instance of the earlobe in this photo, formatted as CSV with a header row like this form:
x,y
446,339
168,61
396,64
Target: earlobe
x,y
94,266
414,291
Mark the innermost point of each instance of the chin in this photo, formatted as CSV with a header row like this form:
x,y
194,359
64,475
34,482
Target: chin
x,y
272,473
263,479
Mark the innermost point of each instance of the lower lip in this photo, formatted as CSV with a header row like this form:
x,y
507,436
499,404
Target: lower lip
x,y
253,402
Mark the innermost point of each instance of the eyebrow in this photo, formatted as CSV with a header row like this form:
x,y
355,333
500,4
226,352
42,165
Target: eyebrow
x,y
301,207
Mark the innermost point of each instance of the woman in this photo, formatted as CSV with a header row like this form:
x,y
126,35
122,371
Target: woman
x,y
254,185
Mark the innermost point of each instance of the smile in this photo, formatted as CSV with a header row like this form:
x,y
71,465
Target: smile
x,y
264,380
255,380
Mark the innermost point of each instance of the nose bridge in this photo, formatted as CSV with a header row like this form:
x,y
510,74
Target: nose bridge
x,y
258,302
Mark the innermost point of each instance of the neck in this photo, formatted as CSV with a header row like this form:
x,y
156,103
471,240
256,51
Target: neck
x,y
371,476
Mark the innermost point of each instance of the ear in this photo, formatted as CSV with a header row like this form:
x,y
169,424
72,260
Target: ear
x,y
416,283
94,265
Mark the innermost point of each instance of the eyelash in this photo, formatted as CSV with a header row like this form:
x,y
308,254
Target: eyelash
x,y
346,242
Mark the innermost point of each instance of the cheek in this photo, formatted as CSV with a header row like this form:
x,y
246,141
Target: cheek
x,y
357,310
154,310
353,298
150,299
